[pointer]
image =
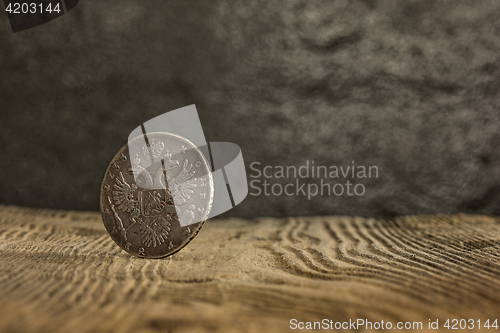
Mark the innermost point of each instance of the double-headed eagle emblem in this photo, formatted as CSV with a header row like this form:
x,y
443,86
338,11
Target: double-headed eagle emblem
x,y
151,207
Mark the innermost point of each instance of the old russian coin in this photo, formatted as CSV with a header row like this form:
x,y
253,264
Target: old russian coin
x,y
156,194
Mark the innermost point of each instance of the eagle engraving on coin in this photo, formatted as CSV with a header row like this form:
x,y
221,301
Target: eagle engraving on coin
x,y
156,194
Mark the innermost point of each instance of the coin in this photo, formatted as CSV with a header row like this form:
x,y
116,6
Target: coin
x,y
156,195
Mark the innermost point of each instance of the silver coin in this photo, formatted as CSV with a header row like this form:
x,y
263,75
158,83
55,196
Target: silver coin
x,y
156,195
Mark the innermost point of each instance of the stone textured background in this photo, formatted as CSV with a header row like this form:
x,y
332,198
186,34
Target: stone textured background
x,y
410,86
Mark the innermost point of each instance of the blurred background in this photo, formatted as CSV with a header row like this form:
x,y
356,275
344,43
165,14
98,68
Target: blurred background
x,y
412,87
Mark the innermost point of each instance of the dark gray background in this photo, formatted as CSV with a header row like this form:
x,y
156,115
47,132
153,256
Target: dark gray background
x,y
409,86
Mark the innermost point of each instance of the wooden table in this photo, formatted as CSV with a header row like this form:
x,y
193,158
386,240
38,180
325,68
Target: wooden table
x,y
60,272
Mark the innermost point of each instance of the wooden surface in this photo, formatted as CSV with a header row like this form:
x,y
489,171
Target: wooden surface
x,y
60,272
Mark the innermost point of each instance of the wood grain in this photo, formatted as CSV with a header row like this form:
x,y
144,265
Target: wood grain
x,y
60,272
